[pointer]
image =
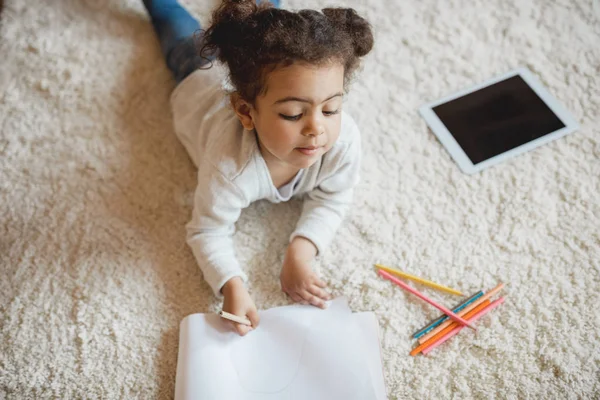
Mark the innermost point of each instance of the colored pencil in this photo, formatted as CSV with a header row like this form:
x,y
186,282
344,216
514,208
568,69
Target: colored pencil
x,y
423,297
456,330
417,279
444,317
235,318
450,327
471,306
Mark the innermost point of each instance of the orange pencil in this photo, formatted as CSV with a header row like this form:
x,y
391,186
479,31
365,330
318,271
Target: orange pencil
x,y
477,302
443,332
456,330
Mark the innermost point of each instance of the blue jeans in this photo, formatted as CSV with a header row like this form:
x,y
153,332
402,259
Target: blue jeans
x,y
180,36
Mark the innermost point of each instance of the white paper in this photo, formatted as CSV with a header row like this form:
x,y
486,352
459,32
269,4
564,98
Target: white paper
x,y
367,322
297,352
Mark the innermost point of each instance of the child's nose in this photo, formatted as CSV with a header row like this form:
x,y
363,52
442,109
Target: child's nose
x,y
314,127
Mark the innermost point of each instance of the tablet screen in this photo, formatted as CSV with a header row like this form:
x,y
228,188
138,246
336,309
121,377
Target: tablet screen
x,y
497,118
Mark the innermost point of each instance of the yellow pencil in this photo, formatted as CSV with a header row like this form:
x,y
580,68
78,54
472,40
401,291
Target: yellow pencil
x,y
417,279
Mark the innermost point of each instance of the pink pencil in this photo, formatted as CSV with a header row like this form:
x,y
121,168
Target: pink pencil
x,y
455,331
414,291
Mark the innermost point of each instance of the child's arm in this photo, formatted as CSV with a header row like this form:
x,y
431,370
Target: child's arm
x,y
217,206
323,211
326,205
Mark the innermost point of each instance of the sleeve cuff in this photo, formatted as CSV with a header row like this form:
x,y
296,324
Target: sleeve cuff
x,y
217,284
309,231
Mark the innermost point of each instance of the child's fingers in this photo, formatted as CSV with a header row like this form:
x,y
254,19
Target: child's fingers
x,y
322,294
312,299
253,317
296,297
241,329
320,283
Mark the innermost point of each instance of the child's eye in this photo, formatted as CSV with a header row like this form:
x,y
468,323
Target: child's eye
x,y
290,117
328,113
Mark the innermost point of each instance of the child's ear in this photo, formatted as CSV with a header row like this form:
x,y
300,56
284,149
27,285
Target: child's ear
x,y
242,108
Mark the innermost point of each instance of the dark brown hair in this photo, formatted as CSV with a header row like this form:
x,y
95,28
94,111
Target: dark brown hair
x,y
253,40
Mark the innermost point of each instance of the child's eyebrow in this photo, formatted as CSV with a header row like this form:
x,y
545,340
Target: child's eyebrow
x,y
291,98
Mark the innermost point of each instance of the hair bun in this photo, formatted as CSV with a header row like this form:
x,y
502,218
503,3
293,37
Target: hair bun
x,y
253,41
356,26
234,10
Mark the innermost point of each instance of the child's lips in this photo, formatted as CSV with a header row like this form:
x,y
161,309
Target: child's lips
x,y
308,151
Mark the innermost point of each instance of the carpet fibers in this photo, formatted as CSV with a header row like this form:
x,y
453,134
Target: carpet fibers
x,y
95,191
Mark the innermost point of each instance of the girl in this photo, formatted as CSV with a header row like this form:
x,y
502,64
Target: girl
x,y
277,133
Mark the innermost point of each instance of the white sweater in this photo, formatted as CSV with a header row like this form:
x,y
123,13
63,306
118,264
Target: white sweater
x,y
232,174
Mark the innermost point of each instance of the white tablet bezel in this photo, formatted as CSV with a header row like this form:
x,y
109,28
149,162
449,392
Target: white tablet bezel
x,y
458,154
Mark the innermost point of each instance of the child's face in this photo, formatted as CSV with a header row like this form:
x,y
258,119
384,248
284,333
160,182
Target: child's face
x,y
298,118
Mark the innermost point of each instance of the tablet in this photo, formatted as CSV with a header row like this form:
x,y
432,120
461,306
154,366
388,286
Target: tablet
x,y
498,119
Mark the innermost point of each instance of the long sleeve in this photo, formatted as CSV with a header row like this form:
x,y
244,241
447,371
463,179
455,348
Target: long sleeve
x,y
217,206
325,206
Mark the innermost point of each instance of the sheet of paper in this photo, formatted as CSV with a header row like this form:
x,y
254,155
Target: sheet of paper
x,y
367,323
297,352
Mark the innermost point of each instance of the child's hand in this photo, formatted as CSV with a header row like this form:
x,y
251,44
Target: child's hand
x,y
298,279
238,302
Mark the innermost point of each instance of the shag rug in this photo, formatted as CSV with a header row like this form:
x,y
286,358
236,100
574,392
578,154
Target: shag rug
x,y
95,191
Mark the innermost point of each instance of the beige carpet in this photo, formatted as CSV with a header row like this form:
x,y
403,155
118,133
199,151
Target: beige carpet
x,y
95,191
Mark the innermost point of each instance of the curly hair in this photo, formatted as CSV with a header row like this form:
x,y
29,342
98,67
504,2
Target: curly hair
x,y
253,40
